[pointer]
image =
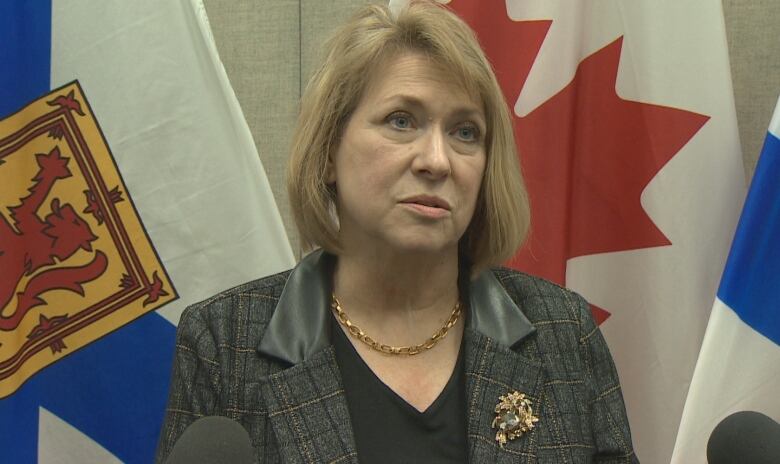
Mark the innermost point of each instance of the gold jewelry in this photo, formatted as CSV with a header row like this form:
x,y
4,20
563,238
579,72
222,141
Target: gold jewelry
x,y
514,417
356,332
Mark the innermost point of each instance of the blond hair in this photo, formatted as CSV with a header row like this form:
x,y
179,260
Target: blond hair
x,y
372,35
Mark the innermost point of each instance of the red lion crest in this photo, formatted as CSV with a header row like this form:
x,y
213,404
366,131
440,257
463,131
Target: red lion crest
x,y
29,244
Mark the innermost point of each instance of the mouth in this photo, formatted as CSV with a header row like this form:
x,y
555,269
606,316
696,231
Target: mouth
x,y
428,201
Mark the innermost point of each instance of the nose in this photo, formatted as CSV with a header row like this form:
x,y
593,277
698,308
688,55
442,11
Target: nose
x,y
432,159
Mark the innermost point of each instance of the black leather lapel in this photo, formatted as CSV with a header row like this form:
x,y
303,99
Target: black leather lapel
x,y
493,313
493,370
299,326
308,411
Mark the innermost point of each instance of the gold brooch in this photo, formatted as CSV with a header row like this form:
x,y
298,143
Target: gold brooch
x,y
514,417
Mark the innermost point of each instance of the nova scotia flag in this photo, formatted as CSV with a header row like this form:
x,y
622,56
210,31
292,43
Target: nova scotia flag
x,y
123,147
739,363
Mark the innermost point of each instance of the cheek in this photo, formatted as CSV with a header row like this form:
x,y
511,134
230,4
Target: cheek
x,y
363,176
472,179
374,168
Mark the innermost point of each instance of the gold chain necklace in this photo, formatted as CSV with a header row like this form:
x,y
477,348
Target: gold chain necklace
x,y
358,333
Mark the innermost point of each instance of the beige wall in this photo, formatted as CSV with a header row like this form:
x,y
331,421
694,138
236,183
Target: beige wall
x,y
268,48
754,50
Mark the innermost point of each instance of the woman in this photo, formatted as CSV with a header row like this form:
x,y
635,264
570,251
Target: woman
x,y
394,341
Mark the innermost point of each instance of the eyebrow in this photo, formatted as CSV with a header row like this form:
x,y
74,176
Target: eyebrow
x,y
468,111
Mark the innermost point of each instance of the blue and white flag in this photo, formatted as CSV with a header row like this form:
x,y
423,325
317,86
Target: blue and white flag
x,y
130,187
739,364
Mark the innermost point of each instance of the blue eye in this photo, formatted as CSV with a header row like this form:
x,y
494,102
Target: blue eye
x,y
467,133
400,121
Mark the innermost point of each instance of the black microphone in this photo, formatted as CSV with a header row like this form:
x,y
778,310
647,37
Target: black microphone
x,y
745,437
213,440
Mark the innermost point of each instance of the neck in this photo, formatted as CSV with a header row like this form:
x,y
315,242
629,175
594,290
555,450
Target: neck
x,y
391,283
399,299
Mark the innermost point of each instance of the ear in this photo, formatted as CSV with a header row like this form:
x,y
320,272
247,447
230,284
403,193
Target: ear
x,y
330,171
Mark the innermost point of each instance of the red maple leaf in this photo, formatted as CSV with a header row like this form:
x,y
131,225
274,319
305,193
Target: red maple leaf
x,y
510,46
587,154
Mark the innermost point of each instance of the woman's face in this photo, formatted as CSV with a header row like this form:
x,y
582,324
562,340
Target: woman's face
x,y
410,162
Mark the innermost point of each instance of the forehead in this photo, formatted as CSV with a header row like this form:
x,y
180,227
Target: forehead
x,y
415,75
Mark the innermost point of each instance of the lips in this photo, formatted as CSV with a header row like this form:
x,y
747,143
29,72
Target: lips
x,y
429,201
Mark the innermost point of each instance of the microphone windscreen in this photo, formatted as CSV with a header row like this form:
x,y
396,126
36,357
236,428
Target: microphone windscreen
x,y
213,440
745,437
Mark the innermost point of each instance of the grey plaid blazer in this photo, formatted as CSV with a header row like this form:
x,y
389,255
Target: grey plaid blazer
x,y
261,354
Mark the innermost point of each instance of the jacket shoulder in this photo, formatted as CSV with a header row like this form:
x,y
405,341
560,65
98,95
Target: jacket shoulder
x,y
540,299
238,314
215,366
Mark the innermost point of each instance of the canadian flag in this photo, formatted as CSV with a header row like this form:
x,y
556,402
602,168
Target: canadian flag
x,y
626,128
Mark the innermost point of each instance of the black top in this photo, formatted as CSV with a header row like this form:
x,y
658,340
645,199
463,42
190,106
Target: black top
x,y
388,429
